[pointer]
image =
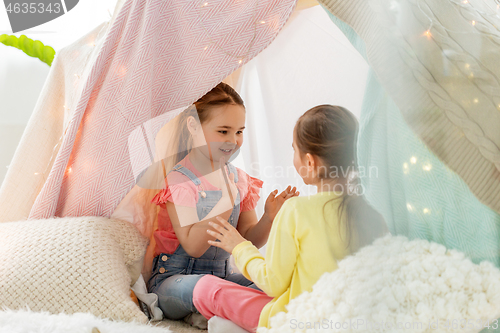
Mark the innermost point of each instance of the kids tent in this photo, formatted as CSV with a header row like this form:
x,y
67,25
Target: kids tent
x,y
429,120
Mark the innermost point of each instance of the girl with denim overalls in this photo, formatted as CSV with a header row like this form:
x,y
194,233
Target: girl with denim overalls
x,y
197,191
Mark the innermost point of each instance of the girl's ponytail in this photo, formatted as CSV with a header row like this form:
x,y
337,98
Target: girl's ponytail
x,y
182,136
360,216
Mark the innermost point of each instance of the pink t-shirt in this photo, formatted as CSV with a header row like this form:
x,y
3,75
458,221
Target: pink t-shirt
x,y
182,191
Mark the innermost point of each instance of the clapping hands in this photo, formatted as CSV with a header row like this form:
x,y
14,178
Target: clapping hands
x,y
274,202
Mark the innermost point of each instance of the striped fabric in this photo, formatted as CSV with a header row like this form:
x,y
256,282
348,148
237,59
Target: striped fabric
x,y
156,56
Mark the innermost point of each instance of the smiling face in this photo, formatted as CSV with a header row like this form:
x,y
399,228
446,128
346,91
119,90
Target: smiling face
x,y
222,134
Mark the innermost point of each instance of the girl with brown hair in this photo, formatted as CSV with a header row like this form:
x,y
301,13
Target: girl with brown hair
x,y
309,235
199,188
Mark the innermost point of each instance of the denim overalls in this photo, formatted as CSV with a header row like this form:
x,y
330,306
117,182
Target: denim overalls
x,y
175,275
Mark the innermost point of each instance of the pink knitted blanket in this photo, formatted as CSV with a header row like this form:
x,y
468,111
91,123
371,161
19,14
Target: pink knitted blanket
x,y
156,56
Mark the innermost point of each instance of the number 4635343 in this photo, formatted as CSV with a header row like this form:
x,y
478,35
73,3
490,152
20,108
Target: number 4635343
x,y
33,7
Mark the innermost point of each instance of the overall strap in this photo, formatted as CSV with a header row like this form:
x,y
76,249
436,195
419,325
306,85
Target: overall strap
x,y
186,172
232,169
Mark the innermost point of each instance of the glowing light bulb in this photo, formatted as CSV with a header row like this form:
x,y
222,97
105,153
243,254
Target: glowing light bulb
x,y
426,211
262,22
465,2
205,4
413,160
409,207
428,34
36,173
427,167
69,169
206,47
405,168
239,62
476,100
467,66
473,22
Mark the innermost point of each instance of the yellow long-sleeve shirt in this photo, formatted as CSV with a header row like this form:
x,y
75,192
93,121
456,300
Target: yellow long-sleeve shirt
x,y
304,243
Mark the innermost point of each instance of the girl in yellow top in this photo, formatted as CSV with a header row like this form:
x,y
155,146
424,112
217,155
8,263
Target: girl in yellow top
x,y
309,235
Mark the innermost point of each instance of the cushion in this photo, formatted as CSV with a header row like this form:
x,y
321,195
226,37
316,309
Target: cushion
x,y
397,285
69,265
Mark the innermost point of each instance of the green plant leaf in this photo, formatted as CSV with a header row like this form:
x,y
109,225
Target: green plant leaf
x,y
33,48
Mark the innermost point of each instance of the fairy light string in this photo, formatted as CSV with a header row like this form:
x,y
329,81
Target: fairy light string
x,y
67,109
459,63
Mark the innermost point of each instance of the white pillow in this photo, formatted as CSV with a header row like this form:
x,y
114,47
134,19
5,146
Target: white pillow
x,y
69,265
396,285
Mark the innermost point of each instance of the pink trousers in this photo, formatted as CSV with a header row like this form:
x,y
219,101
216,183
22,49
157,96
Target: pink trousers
x,y
213,296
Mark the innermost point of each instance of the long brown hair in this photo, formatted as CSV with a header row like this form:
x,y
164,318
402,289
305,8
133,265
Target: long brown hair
x,y
330,133
222,94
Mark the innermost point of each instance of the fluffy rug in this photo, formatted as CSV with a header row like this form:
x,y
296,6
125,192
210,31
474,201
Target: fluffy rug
x,y
398,285
37,322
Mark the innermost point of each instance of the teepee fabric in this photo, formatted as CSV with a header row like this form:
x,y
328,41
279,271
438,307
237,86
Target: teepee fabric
x,y
438,61
44,132
418,195
151,58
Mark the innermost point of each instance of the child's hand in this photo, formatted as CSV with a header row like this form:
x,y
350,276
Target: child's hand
x,y
274,202
228,236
